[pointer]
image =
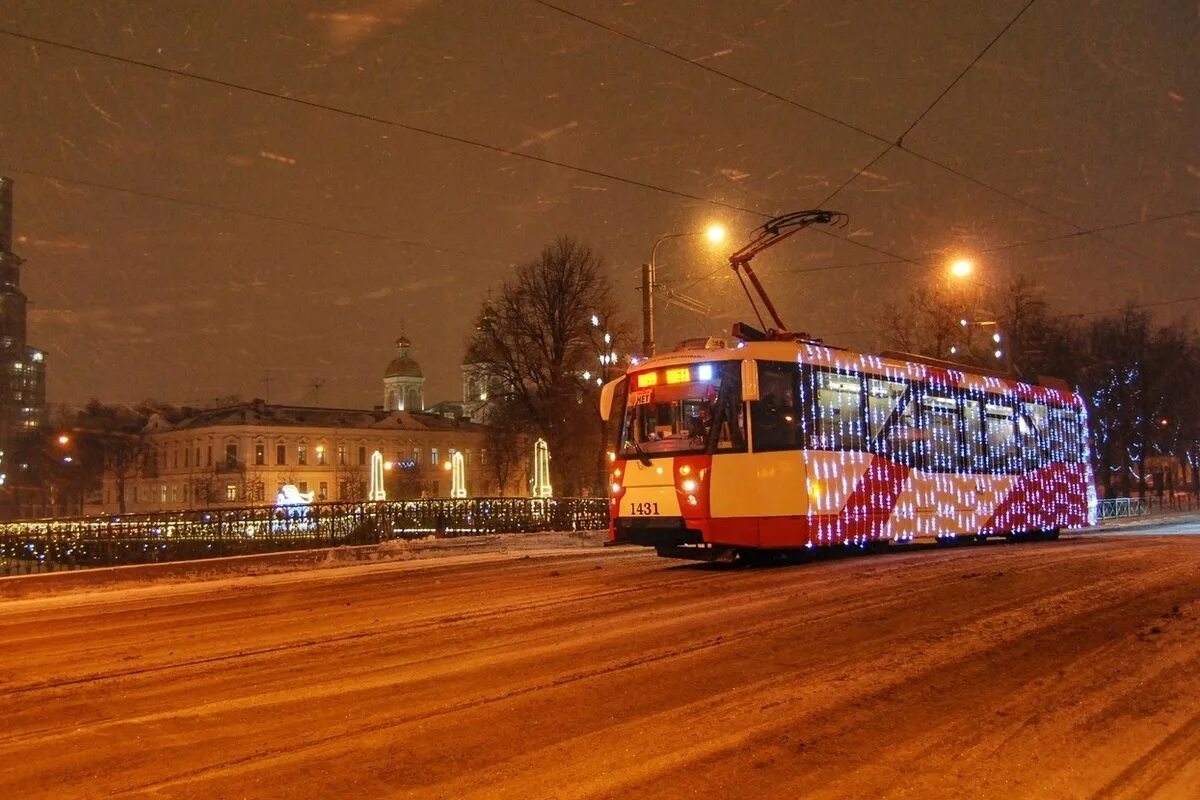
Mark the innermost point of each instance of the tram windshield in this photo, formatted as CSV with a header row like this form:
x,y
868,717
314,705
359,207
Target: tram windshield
x,y
683,410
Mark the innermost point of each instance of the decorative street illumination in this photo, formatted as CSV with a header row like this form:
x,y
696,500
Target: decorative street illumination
x,y
541,469
377,492
458,475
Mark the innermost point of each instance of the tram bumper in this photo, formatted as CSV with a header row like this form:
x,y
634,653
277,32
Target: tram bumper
x,y
654,532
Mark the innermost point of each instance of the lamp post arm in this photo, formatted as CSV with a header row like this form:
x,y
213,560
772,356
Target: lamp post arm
x,y
649,284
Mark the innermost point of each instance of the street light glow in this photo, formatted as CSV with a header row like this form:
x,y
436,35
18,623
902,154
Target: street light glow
x,y
962,267
715,233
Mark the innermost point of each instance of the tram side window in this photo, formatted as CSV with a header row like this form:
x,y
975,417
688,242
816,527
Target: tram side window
x,y
1003,455
840,423
775,417
1063,430
890,419
1032,429
976,454
941,419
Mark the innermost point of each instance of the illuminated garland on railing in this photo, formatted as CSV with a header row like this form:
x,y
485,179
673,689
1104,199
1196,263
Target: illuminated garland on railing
x,y
97,541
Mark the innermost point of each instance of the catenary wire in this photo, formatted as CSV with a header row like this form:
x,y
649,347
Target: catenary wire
x,y
993,249
897,144
494,148
321,226
893,257
365,117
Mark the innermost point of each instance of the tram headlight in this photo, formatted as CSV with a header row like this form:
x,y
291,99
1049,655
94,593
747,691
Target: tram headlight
x,y
616,488
685,470
689,486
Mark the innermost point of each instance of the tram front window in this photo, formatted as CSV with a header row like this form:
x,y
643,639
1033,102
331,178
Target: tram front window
x,y
685,417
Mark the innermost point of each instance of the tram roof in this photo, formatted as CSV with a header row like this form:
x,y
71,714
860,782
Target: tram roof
x,y
885,366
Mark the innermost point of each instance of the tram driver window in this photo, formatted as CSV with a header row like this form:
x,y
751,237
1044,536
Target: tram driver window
x,y
775,418
840,424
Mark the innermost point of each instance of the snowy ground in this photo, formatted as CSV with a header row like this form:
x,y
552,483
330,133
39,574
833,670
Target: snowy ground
x,y
556,668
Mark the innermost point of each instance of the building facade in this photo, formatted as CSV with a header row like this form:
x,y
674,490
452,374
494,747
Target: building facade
x,y
243,454
22,368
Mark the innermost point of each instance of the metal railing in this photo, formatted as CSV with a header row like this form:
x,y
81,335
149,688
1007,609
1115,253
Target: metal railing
x,y
57,544
1120,507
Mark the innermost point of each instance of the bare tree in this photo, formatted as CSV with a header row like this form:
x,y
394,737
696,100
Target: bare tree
x,y
537,340
111,442
505,440
929,323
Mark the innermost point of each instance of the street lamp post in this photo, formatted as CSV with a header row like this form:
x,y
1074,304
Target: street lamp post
x,y
715,234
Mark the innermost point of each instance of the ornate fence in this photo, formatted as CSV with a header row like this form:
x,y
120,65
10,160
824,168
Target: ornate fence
x,y
56,544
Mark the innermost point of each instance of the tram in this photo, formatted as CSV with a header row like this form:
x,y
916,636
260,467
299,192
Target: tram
x,y
773,441
795,444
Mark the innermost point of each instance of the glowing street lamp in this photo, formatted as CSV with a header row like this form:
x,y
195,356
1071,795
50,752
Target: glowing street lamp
x,y
715,234
962,268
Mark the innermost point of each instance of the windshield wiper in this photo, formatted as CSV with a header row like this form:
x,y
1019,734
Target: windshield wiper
x,y
642,457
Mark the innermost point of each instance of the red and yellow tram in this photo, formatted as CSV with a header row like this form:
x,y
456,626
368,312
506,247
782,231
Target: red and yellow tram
x,y
789,443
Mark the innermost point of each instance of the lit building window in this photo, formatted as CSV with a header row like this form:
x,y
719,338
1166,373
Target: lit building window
x,y
231,492
260,455
302,456
321,455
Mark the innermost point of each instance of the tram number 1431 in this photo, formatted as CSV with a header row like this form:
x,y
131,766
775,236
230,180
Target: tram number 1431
x,y
643,509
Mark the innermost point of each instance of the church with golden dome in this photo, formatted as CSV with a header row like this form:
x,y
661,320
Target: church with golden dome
x,y
403,381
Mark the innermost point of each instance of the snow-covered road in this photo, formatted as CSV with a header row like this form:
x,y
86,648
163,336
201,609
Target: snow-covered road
x,y
1059,669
